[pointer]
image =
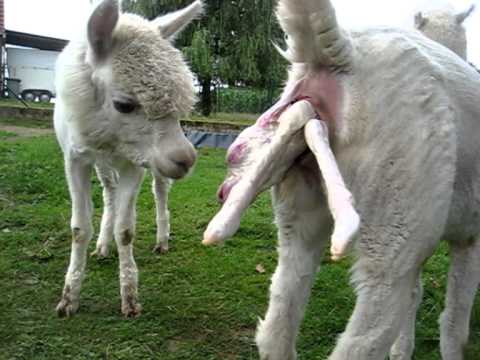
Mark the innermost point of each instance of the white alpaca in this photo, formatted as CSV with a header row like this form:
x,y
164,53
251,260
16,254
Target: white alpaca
x,y
405,121
122,88
445,26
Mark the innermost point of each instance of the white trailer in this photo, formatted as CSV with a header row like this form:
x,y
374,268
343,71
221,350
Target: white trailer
x,y
36,71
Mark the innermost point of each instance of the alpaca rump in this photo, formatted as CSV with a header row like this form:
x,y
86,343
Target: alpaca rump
x,y
263,153
403,118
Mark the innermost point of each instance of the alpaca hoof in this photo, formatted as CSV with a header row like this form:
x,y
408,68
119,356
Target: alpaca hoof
x,y
66,308
160,249
131,309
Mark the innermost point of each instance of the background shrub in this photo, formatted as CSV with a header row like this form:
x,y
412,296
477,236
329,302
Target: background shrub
x,y
244,100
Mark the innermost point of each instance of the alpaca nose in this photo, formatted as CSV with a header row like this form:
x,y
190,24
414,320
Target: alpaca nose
x,y
185,165
184,159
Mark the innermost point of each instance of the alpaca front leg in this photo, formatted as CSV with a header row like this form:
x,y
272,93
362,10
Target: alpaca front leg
x,y
302,233
109,181
78,178
160,188
130,179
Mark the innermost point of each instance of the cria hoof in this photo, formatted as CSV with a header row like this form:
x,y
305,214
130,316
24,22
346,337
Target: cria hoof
x,y
344,233
160,249
337,257
66,308
100,252
131,310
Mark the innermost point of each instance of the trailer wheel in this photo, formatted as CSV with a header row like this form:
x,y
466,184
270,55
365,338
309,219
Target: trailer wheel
x,y
45,97
28,96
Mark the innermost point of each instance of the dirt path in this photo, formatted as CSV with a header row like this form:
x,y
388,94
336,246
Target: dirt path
x,y
21,131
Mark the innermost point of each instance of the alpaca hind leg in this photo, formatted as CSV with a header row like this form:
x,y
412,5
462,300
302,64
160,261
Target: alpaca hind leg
x,y
300,247
384,288
160,189
109,181
404,345
463,280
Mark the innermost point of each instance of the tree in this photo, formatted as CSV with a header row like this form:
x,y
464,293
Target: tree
x,y
231,44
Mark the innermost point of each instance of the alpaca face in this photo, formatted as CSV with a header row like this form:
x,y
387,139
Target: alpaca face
x,y
445,26
142,89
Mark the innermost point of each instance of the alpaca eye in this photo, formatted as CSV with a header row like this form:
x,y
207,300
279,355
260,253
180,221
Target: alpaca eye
x,y
124,107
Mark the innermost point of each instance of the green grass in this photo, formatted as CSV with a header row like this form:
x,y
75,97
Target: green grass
x,y
199,303
6,134
28,123
18,103
234,119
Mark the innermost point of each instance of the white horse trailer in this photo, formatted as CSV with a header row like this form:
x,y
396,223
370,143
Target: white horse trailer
x,y
36,71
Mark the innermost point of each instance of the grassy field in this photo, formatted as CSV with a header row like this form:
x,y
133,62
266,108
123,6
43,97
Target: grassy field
x,y
199,303
229,118
18,103
6,134
27,123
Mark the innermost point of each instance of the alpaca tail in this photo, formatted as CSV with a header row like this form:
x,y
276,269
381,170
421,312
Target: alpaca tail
x,y
313,34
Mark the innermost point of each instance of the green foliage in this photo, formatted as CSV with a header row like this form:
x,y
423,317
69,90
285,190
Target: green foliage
x,y
199,53
199,303
231,44
245,119
243,100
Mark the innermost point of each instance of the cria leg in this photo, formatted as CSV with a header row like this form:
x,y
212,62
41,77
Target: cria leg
x,y
227,220
463,281
109,181
303,227
130,178
340,200
160,189
79,184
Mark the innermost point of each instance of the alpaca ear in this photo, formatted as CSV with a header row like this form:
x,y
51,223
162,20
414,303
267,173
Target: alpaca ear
x,y
172,24
462,16
420,21
100,28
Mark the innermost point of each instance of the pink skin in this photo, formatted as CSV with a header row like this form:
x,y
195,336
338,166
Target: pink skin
x,y
340,200
322,90
262,154
269,166
236,154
